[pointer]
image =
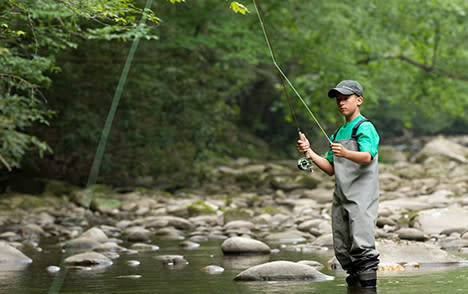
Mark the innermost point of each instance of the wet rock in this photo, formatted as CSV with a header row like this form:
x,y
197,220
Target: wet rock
x,y
289,182
404,205
53,269
455,244
402,252
9,254
434,221
81,244
189,245
389,182
133,262
105,205
315,264
32,231
10,236
280,271
316,226
382,221
172,259
290,236
137,234
95,234
411,234
212,269
166,221
263,219
238,224
241,245
88,259
319,195
209,220
390,154
437,149
237,214
326,240
281,221
144,247
201,207
109,247
170,233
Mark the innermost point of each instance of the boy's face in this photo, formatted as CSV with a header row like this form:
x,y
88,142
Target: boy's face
x,y
348,104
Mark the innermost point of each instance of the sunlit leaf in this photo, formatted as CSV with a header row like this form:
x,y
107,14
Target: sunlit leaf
x,y
238,7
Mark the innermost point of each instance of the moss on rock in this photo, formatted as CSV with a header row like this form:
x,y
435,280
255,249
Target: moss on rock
x,y
199,208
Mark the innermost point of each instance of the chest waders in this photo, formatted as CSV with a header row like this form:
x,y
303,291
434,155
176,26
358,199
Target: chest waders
x,y
354,212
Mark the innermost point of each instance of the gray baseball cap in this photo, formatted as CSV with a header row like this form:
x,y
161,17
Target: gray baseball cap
x,y
346,87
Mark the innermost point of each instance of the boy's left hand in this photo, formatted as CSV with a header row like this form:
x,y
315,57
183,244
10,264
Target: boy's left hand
x,y
338,150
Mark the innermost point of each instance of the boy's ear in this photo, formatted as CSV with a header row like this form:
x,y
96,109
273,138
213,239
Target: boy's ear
x,y
360,99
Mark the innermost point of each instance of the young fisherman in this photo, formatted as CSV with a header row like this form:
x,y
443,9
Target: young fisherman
x,y
352,158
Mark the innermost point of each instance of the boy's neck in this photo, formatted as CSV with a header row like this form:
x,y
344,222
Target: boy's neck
x,y
351,117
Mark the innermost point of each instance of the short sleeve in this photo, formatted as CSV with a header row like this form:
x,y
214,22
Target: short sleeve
x,y
368,138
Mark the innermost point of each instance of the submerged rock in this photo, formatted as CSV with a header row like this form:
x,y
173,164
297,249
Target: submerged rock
x,y
212,269
172,259
53,269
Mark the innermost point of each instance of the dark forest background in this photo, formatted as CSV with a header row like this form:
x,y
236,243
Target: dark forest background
x,y
202,89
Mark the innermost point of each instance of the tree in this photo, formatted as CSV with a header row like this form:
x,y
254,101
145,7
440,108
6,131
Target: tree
x,y
31,34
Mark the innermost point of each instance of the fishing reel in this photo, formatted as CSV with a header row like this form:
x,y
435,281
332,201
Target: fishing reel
x,y
304,163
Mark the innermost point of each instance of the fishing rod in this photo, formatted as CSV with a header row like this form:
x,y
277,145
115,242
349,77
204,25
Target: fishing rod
x,y
303,163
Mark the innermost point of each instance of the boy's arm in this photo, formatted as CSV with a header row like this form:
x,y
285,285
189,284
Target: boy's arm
x,y
360,157
303,146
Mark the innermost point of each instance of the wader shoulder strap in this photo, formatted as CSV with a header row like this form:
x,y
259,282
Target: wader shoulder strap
x,y
355,128
334,134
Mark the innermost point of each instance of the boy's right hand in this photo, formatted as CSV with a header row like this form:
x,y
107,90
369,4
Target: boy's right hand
x,y
302,144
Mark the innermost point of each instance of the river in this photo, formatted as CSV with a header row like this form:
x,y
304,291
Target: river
x,y
151,276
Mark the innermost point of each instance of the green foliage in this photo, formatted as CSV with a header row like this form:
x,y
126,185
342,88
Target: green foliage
x,y
31,33
203,85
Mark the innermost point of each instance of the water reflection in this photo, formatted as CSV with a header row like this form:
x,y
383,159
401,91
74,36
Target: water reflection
x,y
289,287
244,261
11,272
357,290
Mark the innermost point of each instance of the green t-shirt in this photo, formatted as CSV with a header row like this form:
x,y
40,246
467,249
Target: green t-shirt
x,y
367,136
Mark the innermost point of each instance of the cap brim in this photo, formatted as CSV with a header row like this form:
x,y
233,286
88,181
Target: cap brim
x,y
332,92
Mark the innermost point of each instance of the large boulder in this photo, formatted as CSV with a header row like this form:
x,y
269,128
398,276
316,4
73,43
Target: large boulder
x,y
434,221
404,252
441,148
281,271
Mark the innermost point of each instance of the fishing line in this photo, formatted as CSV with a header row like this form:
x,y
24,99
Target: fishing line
x,y
283,76
60,277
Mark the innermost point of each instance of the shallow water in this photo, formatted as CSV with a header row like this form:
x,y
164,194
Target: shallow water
x,y
151,276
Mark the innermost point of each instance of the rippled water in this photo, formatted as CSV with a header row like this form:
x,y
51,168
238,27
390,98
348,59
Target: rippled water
x,y
154,277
